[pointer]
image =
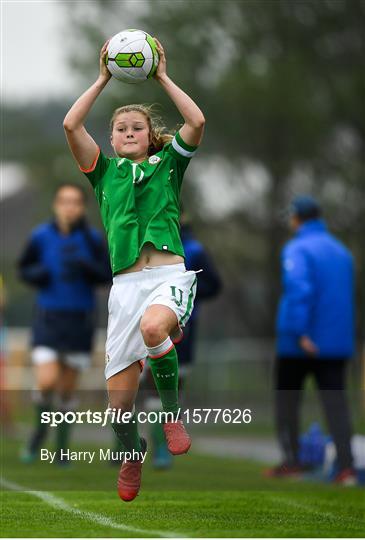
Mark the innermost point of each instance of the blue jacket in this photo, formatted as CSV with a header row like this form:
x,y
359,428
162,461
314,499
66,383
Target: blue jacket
x,y
65,268
209,285
318,294
196,258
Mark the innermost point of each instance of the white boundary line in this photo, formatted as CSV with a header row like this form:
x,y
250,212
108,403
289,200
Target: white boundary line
x,y
99,519
310,509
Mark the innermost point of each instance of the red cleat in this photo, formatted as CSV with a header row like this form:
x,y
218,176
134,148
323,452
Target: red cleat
x,y
178,441
285,471
129,479
346,477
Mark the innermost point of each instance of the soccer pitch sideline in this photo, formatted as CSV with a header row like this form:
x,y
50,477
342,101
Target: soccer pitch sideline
x,y
201,496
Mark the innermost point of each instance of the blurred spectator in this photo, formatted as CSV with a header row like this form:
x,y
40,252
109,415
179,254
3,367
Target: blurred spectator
x,y
209,286
315,334
65,259
5,406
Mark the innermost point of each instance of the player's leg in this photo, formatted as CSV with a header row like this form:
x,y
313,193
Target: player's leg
x,y
125,351
66,402
122,391
68,382
161,457
289,375
47,370
47,376
157,324
169,310
331,381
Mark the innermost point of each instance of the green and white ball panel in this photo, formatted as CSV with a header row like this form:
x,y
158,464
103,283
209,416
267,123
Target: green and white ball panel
x,y
132,56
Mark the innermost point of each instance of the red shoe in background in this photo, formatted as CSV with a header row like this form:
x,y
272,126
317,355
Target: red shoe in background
x,y
285,470
346,477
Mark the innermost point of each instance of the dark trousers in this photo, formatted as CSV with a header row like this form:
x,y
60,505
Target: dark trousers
x,y
329,374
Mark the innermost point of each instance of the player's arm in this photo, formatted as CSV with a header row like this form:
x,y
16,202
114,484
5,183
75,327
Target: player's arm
x,y
210,283
192,130
298,294
97,267
30,267
82,145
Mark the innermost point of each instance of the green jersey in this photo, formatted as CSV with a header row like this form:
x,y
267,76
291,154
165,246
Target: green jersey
x,y
139,202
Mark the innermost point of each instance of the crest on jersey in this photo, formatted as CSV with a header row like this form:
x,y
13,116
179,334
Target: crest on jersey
x,y
154,159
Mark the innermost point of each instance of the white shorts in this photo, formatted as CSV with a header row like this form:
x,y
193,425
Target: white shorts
x,y
130,296
43,355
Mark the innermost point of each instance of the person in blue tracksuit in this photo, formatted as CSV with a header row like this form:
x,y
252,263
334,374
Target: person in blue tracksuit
x,y
315,333
65,260
209,286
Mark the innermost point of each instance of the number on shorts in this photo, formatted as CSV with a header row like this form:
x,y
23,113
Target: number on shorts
x,y
178,302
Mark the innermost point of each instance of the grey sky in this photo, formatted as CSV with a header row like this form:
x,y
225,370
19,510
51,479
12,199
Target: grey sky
x,y
33,56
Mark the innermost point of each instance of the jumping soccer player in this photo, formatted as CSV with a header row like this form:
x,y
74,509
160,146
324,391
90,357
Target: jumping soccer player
x,y
152,295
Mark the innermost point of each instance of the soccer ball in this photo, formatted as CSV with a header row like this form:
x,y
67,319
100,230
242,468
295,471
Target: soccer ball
x,y
132,56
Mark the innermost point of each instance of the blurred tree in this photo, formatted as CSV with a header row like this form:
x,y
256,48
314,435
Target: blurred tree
x,y
282,85
33,139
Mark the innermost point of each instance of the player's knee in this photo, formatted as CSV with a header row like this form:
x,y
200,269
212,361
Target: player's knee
x,y
47,386
153,332
123,404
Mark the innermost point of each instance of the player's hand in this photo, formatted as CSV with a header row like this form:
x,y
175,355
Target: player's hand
x,y
161,70
308,346
104,72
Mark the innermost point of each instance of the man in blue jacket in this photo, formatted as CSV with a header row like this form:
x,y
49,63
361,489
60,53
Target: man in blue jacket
x,y
65,260
315,333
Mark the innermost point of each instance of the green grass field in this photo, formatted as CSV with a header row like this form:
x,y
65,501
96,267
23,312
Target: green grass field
x,y
201,497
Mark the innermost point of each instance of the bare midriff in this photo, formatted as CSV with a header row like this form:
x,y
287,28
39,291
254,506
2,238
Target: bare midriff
x,y
150,256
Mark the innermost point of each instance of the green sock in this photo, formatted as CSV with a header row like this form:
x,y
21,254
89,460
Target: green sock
x,y
66,404
40,431
128,435
63,436
39,409
117,445
166,376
